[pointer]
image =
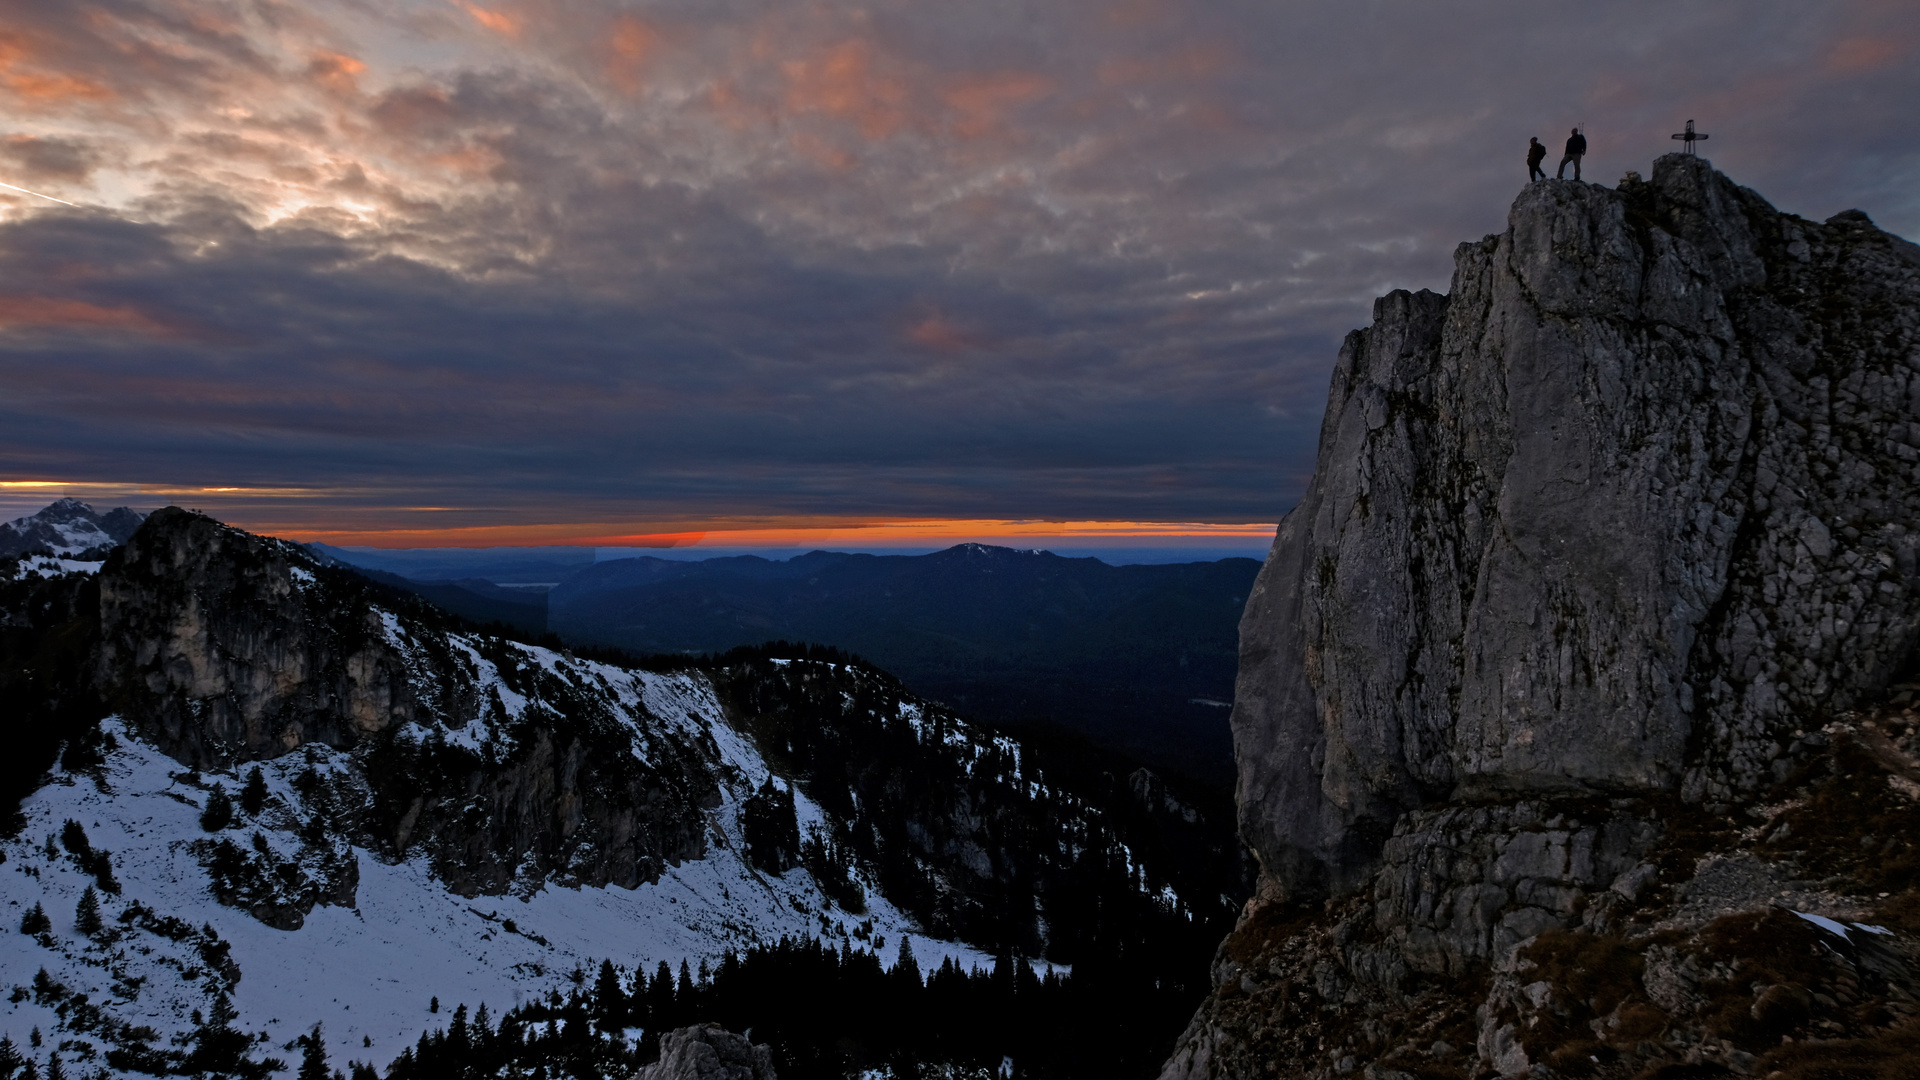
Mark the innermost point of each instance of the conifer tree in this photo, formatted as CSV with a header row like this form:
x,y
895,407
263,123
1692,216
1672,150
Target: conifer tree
x,y
313,1056
219,810
220,1049
609,998
10,1057
906,969
36,921
86,915
253,797
459,1039
55,1071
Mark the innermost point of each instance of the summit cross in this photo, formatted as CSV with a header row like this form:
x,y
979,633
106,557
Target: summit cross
x,y
1689,137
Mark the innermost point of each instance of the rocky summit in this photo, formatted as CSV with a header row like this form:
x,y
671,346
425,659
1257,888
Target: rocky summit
x,y
1571,727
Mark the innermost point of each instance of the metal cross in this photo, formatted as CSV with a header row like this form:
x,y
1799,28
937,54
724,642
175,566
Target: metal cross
x,y
1689,137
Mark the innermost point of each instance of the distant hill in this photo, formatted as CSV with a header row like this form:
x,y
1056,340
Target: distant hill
x,y
502,565
482,601
1139,658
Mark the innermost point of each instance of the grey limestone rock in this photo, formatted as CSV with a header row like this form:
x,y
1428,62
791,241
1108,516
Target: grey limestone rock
x,y
225,648
1620,515
708,1052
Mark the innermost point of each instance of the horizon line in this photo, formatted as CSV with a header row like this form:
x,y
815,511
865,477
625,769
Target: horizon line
x,y
900,533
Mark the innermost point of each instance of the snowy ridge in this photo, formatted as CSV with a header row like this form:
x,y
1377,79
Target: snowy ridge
x,y
67,527
368,968
391,807
366,972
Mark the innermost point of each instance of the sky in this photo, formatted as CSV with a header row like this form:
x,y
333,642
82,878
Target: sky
x,y
730,272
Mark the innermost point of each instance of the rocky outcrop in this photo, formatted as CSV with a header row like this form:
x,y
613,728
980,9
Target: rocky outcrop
x,y
1596,546
223,647
1629,506
209,641
708,1052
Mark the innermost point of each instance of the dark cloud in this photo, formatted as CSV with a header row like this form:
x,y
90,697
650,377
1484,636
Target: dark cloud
x,y
38,160
698,261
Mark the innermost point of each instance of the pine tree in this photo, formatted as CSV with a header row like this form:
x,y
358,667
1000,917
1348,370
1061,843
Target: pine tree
x,y
10,1057
219,811
36,920
253,797
609,998
221,1050
459,1039
55,1071
433,1006
906,969
313,1056
86,915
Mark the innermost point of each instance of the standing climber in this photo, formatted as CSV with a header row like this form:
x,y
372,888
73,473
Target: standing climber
x,y
1536,153
1576,149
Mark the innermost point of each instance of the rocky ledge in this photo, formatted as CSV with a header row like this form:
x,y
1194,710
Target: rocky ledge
x,y
1575,676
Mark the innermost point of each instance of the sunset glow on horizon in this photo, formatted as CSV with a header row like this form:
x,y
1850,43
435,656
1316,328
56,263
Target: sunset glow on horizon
x,y
891,534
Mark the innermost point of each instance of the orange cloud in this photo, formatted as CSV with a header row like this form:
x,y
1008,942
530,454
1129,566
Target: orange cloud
x,y
1857,54
843,82
18,312
497,21
41,86
335,71
983,101
936,332
631,44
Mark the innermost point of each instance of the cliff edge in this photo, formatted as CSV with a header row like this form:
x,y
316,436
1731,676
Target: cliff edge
x,y
1605,549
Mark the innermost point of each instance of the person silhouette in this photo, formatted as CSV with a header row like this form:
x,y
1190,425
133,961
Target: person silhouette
x,y
1576,149
1536,153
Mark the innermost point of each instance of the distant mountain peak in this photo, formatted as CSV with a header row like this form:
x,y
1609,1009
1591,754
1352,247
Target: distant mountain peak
x,y
69,527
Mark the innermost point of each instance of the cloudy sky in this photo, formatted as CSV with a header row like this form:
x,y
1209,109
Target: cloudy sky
x,y
433,271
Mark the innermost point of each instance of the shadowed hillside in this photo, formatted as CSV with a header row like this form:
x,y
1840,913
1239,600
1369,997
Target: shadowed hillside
x,y
1139,658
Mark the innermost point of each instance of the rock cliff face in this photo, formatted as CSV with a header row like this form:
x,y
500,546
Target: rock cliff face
x,y
209,639
1596,545
223,647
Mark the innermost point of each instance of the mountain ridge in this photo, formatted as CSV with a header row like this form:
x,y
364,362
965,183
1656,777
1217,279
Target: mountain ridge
x,y
517,808
69,527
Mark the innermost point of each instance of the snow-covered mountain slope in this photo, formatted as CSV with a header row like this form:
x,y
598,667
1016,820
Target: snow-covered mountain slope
x,y
68,527
440,812
366,968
